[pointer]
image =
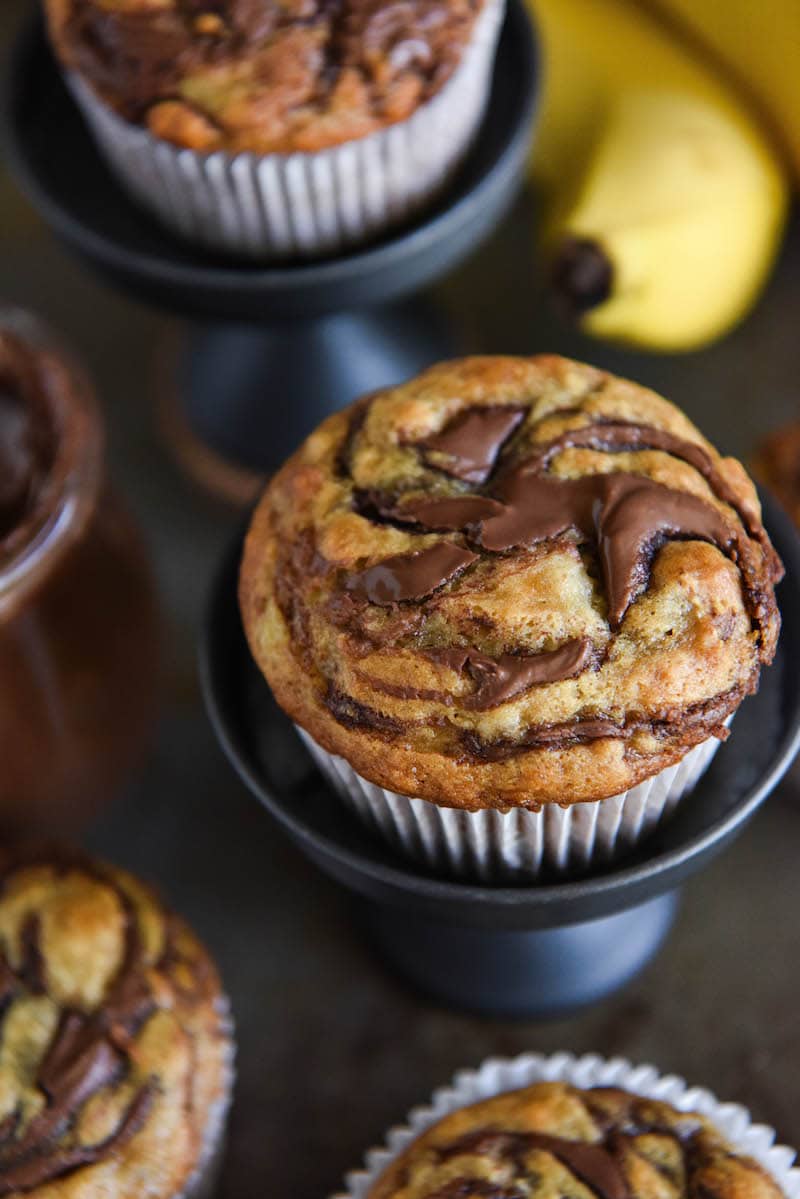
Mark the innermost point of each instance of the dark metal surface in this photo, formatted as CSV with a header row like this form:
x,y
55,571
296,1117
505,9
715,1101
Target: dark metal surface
x,y
55,160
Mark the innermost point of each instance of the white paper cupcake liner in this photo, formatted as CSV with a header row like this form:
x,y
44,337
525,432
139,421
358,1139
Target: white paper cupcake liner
x,y
520,844
280,205
497,1075
202,1183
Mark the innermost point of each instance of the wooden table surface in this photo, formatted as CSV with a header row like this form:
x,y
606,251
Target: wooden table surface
x,y
333,1049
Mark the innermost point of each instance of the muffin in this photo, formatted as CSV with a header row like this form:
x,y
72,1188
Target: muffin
x,y
116,1044
557,1138
273,129
504,589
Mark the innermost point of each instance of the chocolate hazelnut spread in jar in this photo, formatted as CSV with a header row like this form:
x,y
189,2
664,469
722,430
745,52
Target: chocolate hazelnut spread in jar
x,y
78,618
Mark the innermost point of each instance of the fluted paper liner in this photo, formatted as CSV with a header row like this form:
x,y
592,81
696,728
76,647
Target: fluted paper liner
x,y
497,1075
203,1181
280,205
517,845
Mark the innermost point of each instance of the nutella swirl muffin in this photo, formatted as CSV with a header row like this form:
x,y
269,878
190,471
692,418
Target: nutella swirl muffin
x,y
115,1047
272,128
511,585
555,1139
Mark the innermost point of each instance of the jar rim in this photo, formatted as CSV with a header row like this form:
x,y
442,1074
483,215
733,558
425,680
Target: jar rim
x,y
70,489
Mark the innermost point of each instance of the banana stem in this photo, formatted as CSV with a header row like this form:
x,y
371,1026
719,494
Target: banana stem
x,y
582,275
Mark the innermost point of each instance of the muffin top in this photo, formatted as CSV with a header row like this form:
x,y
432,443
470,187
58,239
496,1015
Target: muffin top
x,y
510,582
113,1055
262,75
552,1139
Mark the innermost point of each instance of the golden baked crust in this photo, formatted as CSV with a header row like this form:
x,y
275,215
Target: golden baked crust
x,y
552,1139
587,553
114,1047
259,75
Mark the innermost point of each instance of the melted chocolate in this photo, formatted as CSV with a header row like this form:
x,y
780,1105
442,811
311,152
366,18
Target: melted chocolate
x,y
141,57
620,1118
356,417
135,56
31,969
442,515
627,515
27,1173
701,720
352,714
503,678
299,47
592,1163
625,437
468,447
411,576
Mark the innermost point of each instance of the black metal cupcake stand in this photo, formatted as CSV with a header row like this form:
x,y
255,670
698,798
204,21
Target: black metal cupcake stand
x,y
529,950
270,351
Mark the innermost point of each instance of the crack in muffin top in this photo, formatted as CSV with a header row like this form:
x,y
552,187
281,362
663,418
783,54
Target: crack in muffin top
x,y
261,75
510,581
554,1139
113,1050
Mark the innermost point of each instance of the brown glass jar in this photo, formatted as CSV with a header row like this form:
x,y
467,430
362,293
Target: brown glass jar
x,y
78,618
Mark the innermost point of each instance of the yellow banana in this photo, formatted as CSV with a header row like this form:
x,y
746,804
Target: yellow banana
x,y
759,40
665,202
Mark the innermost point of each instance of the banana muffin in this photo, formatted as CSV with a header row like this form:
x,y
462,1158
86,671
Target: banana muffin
x,y
555,1139
510,583
115,1050
266,77
325,122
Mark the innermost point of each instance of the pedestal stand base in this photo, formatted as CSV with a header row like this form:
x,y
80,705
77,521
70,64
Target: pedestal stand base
x,y
236,400
520,973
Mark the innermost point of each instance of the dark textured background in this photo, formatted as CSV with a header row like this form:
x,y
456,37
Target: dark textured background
x,y
332,1049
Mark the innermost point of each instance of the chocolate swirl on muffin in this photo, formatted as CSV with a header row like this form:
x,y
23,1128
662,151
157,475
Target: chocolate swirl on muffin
x,y
551,1138
263,77
510,581
113,1043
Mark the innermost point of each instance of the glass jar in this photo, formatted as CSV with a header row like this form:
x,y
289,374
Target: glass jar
x,y
79,629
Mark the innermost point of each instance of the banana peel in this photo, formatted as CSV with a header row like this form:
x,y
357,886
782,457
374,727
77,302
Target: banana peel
x,y
664,201
759,44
